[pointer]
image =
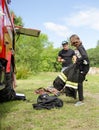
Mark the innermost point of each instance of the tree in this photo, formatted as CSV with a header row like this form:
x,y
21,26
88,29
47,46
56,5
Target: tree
x,y
93,56
49,59
34,54
17,19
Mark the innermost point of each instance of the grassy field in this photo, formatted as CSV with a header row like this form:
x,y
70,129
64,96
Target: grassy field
x,y
20,115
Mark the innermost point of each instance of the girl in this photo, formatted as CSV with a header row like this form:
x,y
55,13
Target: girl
x,y
82,63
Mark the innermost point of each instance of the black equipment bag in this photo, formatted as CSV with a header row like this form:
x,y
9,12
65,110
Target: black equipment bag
x,y
45,101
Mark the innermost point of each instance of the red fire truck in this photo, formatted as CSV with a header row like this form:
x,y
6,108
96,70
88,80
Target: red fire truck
x,y
7,43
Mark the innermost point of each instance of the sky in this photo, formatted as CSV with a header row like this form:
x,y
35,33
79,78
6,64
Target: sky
x,y
59,19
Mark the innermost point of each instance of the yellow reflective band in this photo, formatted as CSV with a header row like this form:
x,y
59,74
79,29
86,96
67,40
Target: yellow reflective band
x,y
72,84
62,78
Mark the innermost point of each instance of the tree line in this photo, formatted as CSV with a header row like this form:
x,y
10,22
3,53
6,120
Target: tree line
x,y
33,55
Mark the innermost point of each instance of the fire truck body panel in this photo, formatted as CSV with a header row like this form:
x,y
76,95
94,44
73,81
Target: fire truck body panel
x,y
2,48
6,34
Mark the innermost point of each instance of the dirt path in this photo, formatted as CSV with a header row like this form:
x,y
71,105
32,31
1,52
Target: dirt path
x,y
95,95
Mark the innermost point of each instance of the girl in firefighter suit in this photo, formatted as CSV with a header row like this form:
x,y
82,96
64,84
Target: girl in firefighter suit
x,y
82,63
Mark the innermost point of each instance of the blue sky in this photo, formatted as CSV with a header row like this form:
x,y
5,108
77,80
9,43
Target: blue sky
x,y
59,19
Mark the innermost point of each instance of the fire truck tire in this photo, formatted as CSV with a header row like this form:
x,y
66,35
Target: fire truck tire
x,y
8,92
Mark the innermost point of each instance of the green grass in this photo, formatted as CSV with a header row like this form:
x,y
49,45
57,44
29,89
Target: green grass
x,y
20,115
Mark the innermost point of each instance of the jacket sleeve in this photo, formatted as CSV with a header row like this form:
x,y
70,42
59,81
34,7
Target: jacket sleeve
x,y
83,52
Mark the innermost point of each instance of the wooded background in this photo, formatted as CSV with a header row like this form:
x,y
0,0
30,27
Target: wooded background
x,y
33,55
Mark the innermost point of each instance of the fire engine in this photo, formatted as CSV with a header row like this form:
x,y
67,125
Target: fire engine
x,y
8,33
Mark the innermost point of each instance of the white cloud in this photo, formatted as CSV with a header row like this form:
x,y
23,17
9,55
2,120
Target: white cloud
x,y
89,18
60,30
